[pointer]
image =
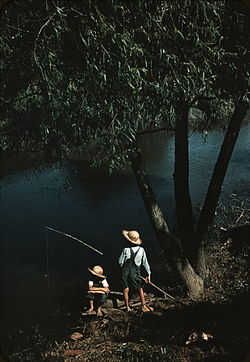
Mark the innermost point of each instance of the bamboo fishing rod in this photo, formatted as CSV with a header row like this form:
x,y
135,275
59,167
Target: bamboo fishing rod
x,y
156,287
73,237
101,253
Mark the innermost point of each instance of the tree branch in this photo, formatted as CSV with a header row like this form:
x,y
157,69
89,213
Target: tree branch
x,y
214,189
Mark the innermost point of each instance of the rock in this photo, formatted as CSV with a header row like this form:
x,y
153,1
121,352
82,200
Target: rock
x,y
73,352
193,337
76,336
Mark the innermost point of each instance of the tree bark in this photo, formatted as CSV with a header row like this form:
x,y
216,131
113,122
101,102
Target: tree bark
x,y
216,182
168,243
181,181
201,262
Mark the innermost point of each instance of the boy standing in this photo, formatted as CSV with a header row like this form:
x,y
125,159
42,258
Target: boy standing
x,y
98,290
130,261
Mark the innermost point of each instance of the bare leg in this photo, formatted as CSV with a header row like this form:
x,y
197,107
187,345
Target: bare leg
x,y
91,306
99,311
141,294
126,299
144,307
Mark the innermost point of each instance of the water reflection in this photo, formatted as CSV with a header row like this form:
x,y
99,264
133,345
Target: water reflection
x,y
203,152
94,207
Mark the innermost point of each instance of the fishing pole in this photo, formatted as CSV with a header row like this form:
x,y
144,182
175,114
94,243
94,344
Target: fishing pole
x,y
156,287
73,237
101,253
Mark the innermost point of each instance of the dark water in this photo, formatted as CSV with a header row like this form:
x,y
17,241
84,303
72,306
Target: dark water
x,y
94,207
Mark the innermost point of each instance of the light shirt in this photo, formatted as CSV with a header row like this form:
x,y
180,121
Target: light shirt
x,y
140,257
104,283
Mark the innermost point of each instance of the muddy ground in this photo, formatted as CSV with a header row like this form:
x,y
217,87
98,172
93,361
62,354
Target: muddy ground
x,y
179,330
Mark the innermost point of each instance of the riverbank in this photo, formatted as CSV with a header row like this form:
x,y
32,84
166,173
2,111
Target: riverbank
x,y
215,328
203,331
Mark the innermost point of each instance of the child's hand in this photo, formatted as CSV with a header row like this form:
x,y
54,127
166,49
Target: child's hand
x,y
148,279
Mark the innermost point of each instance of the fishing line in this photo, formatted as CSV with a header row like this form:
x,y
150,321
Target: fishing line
x,y
47,254
101,253
69,236
73,237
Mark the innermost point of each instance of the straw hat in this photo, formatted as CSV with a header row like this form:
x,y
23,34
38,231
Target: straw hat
x,y
97,271
132,236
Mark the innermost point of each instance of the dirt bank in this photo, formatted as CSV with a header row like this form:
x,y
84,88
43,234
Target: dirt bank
x,y
174,331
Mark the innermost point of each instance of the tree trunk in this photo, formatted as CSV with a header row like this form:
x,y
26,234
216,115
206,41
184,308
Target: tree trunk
x,y
216,182
181,181
201,262
168,243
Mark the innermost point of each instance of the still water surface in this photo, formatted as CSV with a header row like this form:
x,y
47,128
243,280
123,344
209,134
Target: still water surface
x,y
94,207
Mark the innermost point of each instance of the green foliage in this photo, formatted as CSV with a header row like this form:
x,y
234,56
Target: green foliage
x,y
229,272
101,72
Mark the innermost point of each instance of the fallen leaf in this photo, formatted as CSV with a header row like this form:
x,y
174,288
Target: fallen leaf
x,y
206,336
75,336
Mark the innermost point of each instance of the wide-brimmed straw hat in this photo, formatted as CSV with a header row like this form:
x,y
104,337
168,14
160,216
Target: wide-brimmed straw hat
x,y
133,236
97,271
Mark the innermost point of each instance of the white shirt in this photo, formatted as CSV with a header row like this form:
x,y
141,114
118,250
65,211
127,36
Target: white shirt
x,y
104,283
140,257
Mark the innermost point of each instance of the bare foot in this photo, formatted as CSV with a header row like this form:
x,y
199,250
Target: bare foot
x,y
99,312
90,311
146,308
129,309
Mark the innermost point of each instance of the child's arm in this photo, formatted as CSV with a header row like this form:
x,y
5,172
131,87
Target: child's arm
x,y
146,266
99,289
105,286
103,289
122,257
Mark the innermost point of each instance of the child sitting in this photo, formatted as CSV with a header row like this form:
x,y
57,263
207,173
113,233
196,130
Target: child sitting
x,y
98,290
